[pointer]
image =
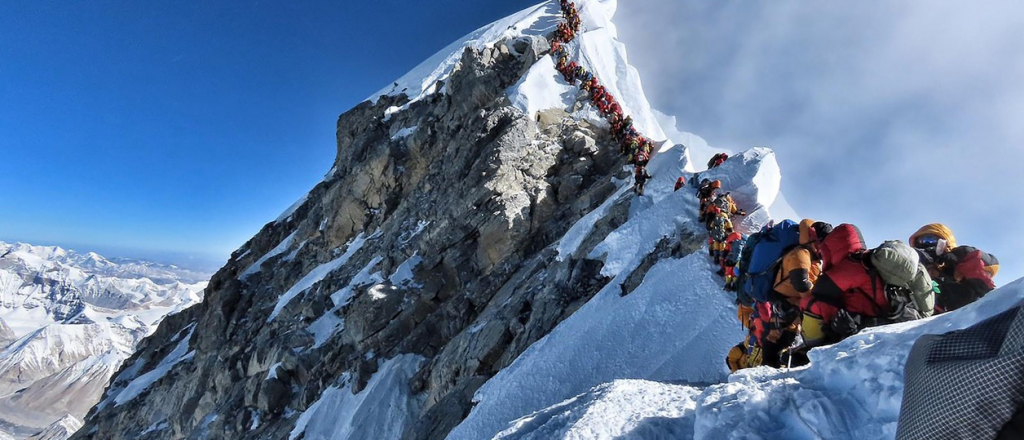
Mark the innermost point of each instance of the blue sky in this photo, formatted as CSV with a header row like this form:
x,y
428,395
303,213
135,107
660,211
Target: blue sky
x,y
180,128
887,115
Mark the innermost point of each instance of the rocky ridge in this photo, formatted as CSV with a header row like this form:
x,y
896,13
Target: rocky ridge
x,y
426,255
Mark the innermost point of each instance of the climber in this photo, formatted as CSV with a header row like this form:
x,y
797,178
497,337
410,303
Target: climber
x,y
588,85
571,72
738,358
801,266
719,228
641,177
616,112
847,296
643,158
733,249
680,182
965,276
931,241
717,160
727,204
596,92
705,194
798,271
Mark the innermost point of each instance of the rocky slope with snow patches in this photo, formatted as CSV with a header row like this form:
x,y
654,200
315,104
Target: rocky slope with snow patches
x,y
67,321
425,262
474,265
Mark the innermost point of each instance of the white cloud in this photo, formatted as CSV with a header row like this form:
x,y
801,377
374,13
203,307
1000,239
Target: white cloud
x,y
888,115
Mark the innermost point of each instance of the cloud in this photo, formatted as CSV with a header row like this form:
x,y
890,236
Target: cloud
x,y
888,115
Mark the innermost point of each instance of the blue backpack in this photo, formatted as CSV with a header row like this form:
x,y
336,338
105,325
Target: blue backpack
x,y
765,255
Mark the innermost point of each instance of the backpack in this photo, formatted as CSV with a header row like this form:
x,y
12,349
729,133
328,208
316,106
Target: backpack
x,y
741,267
766,257
723,203
908,287
718,228
736,251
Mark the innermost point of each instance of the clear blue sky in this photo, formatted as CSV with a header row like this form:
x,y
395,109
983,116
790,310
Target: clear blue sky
x,y
181,127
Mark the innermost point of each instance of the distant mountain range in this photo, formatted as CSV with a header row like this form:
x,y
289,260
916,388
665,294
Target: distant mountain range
x,y
67,321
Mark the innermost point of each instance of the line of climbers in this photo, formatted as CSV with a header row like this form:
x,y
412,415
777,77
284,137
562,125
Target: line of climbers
x,y
808,284
800,285
637,147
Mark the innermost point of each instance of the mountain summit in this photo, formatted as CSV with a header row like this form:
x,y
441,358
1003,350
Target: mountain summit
x,y
474,265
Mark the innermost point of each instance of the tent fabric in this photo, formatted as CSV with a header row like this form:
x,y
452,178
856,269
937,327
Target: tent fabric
x,y
965,384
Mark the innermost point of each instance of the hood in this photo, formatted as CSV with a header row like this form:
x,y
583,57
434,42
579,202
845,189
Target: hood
x,y
805,230
844,240
937,229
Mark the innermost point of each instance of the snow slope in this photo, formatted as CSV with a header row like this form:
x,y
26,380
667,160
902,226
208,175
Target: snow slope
x,y
69,320
676,327
382,410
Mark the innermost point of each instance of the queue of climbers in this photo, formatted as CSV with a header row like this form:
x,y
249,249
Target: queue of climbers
x,y
799,284
637,147
808,284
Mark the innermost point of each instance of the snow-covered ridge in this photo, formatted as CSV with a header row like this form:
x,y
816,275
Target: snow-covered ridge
x,y
68,320
422,80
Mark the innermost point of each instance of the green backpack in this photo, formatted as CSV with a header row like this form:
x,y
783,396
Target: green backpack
x,y
909,288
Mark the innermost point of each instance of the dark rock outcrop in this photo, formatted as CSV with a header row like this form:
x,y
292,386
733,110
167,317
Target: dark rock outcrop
x,y
460,190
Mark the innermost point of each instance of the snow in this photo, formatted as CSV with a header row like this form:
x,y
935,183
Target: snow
x,y
662,331
421,81
404,133
753,177
272,372
542,88
142,383
853,389
407,236
46,350
662,212
277,250
320,272
326,326
571,241
403,276
657,411
291,209
382,410
314,276
603,55
362,278
155,427
330,323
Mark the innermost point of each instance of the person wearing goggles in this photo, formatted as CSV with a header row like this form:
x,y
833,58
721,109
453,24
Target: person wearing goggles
x,y
963,273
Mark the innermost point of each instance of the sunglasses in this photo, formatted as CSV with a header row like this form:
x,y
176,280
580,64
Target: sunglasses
x,y
926,241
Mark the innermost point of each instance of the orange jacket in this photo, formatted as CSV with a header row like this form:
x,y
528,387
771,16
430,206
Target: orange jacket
x,y
799,264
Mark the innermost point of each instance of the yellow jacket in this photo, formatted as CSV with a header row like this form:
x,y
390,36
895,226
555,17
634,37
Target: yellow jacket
x,y
800,264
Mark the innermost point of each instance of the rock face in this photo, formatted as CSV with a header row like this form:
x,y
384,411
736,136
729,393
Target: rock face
x,y
422,265
430,237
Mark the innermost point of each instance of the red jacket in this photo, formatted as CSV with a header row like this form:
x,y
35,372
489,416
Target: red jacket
x,y
845,282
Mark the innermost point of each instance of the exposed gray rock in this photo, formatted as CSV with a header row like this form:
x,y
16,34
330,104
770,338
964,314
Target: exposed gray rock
x,y
476,195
